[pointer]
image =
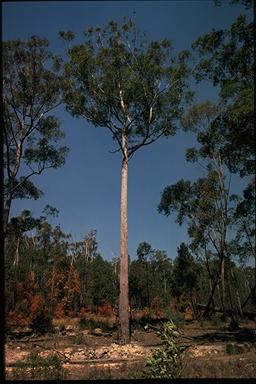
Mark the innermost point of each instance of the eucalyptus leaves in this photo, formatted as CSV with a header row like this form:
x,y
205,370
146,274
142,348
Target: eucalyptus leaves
x,y
166,362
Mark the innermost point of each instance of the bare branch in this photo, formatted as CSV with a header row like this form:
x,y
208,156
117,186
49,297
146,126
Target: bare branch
x,y
30,175
144,142
112,129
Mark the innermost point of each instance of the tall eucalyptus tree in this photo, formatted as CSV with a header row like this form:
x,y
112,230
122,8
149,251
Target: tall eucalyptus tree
x,y
134,89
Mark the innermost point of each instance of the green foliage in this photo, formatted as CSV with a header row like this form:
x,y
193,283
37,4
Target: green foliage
x,y
177,319
244,220
245,3
22,223
85,323
121,82
32,87
166,362
226,59
39,368
150,276
79,339
101,275
143,251
185,272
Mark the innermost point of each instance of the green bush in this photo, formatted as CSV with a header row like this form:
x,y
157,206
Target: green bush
x,y
79,339
178,320
39,368
42,323
166,362
92,324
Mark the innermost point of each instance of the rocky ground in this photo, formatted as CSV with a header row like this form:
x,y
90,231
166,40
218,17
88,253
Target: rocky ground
x,y
93,354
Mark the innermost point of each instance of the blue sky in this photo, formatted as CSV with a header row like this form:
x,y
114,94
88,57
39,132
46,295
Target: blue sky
x,y
87,189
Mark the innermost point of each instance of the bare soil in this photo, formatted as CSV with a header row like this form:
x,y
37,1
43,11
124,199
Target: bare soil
x,y
209,351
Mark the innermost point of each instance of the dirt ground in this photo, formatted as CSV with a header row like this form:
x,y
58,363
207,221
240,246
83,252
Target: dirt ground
x,y
209,352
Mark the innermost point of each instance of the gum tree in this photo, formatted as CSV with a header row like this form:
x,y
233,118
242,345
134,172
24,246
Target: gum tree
x,y
32,87
207,205
135,89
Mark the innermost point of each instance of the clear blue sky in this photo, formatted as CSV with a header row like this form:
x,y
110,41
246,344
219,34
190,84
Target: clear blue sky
x,y
87,189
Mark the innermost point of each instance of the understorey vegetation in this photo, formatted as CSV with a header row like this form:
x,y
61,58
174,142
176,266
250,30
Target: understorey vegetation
x,y
57,278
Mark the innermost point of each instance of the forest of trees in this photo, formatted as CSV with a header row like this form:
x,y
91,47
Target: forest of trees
x,y
48,275
139,93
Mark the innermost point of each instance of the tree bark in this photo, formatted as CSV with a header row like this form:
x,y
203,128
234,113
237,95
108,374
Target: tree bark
x,y
210,300
222,277
237,293
124,294
6,213
17,253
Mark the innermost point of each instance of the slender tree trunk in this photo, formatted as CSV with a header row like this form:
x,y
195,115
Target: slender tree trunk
x,y
210,300
222,277
252,295
209,273
17,253
148,300
124,294
237,292
6,213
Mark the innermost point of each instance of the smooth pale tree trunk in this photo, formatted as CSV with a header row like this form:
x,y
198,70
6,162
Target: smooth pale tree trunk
x,y
124,294
222,277
17,253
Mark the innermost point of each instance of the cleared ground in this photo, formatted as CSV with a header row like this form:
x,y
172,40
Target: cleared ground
x,y
209,351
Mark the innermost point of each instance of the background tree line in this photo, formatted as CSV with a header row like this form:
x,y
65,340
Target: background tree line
x,y
56,277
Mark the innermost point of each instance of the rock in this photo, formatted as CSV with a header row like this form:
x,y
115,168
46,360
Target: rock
x,y
97,331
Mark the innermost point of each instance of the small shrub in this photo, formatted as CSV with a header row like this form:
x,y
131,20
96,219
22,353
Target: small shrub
x,y
156,307
14,318
167,313
166,362
94,323
231,349
105,309
39,368
42,322
79,339
178,320
86,323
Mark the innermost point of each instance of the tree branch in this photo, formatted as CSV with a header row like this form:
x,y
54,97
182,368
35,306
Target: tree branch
x,y
144,142
31,174
112,130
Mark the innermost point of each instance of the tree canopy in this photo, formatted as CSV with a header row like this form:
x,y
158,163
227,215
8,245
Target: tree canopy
x,y
32,87
119,81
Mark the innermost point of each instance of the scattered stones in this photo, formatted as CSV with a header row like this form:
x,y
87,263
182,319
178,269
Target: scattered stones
x,y
205,350
113,351
97,331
